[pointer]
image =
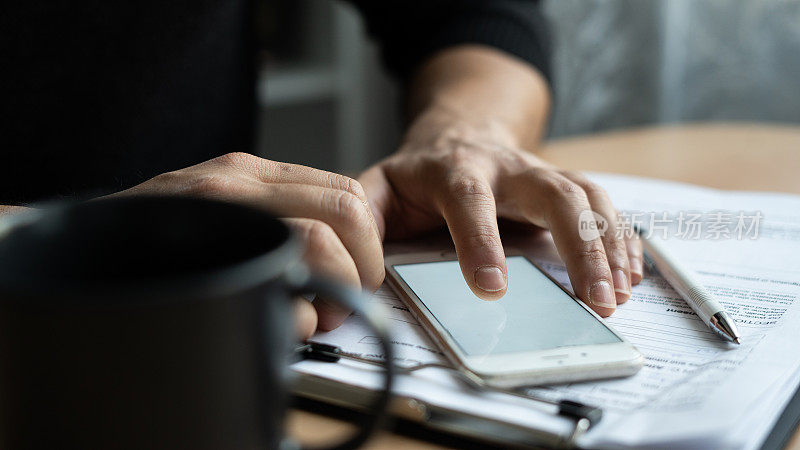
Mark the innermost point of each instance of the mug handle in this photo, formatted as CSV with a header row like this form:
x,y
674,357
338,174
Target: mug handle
x,y
354,300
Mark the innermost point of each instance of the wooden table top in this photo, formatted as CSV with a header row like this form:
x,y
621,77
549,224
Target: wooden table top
x,y
740,156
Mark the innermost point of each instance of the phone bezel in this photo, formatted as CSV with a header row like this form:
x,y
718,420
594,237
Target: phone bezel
x,y
561,363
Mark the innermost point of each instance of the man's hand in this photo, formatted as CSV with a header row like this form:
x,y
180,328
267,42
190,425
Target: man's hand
x,y
328,211
467,178
462,165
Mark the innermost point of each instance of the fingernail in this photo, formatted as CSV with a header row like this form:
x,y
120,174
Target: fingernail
x,y
490,279
621,282
601,294
621,286
637,269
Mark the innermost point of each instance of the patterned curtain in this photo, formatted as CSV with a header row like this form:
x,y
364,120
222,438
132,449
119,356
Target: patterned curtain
x,y
621,63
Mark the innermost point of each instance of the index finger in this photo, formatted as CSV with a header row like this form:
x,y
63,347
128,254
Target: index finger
x,y
467,205
268,171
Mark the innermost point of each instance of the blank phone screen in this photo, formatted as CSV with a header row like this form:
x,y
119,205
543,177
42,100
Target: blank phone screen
x,y
534,314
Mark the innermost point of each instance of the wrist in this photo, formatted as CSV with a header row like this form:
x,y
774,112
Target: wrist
x,y
440,126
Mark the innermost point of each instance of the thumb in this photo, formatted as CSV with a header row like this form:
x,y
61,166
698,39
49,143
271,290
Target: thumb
x,y
471,216
305,318
379,192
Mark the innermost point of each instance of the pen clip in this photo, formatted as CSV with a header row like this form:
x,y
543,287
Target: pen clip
x,y
649,264
579,411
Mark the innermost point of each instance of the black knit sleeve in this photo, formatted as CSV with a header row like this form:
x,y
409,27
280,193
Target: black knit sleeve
x,y
411,30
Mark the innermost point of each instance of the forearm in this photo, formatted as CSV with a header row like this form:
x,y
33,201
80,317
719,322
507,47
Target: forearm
x,y
479,87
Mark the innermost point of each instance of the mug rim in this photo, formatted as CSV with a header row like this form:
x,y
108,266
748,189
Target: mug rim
x,y
246,274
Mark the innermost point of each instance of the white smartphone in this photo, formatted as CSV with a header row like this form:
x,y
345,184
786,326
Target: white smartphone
x,y
537,333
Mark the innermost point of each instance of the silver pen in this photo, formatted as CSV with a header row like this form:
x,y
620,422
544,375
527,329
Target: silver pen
x,y
699,299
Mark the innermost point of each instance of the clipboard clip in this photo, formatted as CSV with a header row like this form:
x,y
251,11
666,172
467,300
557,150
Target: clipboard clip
x,y
585,416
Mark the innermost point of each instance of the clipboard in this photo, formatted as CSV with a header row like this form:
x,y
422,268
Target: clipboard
x,y
439,423
443,420
436,417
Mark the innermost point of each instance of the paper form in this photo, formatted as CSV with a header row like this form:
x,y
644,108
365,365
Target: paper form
x,y
695,390
687,366
410,341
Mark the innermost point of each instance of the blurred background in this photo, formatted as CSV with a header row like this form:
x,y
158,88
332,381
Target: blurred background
x,y
325,100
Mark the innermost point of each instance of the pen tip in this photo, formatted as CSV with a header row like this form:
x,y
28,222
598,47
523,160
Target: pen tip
x,y
738,342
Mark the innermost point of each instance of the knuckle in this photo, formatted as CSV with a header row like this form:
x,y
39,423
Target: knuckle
x,y
563,188
616,245
517,159
355,188
593,253
354,214
573,175
470,187
616,248
484,237
319,237
168,178
461,156
346,184
593,189
349,208
529,172
235,159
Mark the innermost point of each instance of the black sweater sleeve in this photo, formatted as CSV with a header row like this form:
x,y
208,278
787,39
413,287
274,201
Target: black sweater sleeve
x,y
411,30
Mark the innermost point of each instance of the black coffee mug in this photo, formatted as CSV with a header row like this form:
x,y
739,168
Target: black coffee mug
x,y
152,322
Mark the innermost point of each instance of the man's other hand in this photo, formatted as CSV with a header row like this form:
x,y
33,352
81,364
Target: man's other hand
x,y
327,210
